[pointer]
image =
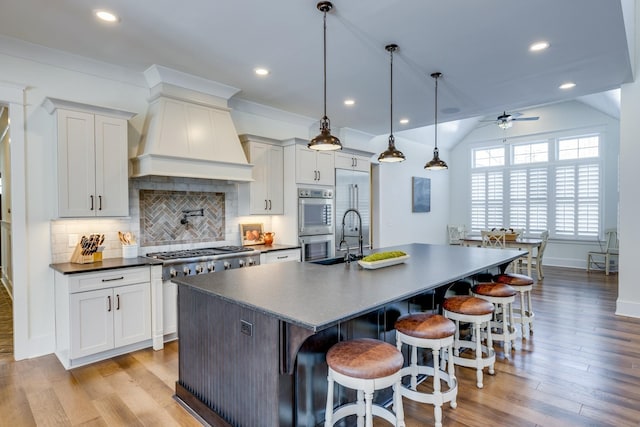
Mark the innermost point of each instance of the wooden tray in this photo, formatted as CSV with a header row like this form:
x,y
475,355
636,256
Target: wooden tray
x,y
373,265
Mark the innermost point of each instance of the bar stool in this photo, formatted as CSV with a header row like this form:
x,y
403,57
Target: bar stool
x,y
524,286
502,297
365,365
478,312
434,332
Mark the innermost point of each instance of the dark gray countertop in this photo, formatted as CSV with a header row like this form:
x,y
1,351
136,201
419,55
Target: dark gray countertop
x,y
105,264
317,296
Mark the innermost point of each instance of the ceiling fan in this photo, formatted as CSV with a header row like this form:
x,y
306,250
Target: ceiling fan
x,y
505,121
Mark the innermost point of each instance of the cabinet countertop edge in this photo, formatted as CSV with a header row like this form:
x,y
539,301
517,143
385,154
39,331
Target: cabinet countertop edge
x,y
105,264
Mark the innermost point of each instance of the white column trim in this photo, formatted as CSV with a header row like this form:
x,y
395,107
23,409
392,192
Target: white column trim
x,y
13,95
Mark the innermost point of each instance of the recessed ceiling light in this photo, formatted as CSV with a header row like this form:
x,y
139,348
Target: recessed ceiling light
x,y
567,85
106,16
404,121
349,102
538,46
261,71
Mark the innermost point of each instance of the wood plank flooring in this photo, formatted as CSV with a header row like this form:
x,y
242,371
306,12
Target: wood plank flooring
x,y
581,367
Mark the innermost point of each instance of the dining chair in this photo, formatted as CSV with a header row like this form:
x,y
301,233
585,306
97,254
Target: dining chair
x,y
536,260
493,239
456,233
597,258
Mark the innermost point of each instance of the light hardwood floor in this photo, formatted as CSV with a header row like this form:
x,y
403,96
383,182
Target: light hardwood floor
x,y
580,368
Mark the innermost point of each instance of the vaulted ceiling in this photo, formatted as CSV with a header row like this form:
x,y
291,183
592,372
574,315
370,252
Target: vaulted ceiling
x,y
481,47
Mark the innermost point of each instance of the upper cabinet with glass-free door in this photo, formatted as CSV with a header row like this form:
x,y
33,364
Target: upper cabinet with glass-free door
x,y
92,159
349,161
314,167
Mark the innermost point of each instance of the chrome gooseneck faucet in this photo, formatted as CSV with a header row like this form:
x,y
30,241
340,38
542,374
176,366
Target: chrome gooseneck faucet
x,y
347,257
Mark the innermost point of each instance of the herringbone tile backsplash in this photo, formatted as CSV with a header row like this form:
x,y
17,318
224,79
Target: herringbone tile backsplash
x,y
162,210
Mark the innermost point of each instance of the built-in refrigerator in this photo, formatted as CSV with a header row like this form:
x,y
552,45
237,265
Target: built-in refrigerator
x,y
353,191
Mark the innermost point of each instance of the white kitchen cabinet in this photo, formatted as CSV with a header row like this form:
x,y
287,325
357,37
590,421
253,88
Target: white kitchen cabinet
x,y
108,318
92,159
102,314
314,167
285,255
265,193
352,162
170,311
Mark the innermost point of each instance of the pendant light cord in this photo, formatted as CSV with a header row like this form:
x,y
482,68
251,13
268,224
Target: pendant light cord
x,y
436,114
325,64
391,95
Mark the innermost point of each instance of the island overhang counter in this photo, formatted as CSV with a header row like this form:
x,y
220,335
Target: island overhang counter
x,y
240,330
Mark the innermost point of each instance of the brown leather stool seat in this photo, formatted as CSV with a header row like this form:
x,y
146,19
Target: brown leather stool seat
x,y
464,304
429,332
502,296
365,358
365,365
478,312
514,279
523,284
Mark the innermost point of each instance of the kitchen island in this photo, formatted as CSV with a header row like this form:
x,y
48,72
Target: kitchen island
x,y
248,335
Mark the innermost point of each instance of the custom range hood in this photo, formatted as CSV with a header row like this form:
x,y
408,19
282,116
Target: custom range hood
x,y
188,130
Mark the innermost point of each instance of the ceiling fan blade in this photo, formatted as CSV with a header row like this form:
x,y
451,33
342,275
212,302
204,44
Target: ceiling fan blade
x,y
525,118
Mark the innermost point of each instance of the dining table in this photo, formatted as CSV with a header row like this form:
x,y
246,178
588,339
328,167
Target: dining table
x,y
522,243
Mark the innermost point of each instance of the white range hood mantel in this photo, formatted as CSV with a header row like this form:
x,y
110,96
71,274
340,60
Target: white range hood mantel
x,y
188,130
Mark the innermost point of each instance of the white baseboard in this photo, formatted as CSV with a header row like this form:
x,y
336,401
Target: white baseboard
x,y
628,308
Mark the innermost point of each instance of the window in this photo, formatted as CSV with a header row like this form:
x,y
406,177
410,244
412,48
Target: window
x,y
488,157
550,185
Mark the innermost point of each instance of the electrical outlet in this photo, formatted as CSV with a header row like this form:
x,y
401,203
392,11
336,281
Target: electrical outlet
x,y
73,240
246,327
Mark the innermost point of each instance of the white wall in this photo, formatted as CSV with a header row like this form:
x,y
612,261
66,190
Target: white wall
x,y
562,119
628,303
393,221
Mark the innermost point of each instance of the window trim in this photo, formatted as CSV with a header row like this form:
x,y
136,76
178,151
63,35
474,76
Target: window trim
x,y
552,164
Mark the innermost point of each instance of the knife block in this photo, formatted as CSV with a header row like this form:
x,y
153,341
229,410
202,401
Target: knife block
x,y
78,258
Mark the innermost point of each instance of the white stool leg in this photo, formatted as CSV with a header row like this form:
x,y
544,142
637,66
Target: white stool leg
x,y
328,416
476,327
414,367
490,348
437,411
361,410
530,312
452,374
397,404
368,400
523,313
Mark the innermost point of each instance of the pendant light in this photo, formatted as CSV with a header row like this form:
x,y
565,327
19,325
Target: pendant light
x,y
391,155
436,163
325,141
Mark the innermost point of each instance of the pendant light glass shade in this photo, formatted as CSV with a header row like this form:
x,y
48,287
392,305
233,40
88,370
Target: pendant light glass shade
x,y
391,154
436,163
325,141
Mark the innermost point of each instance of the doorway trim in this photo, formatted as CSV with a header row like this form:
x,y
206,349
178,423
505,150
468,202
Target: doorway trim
x,y
14,96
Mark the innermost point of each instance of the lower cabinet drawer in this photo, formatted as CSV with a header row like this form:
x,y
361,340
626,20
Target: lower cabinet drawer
x,y
280,256
108,279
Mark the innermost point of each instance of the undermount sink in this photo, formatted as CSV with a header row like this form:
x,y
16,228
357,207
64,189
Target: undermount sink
x,y
329,261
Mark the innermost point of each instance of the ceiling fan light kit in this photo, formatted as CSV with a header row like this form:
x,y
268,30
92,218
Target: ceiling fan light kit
x,y
436,163
391,154
325,141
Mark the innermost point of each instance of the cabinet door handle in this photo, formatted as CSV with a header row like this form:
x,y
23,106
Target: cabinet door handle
x,y
318,175
99,203
269,204
283,257
117,301
91,196
113,279
109,303
265,204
